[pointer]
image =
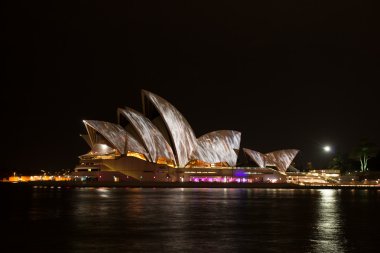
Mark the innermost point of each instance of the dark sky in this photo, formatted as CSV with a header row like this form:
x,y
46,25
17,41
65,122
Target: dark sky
x,y
287,74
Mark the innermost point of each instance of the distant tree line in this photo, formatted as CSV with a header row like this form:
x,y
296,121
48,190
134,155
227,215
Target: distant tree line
x,y
363,157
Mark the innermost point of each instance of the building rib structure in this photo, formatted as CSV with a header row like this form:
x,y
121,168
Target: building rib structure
x,y
180,131
158,148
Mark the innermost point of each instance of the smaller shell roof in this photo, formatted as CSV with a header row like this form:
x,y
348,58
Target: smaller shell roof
x,y
115,135
218,146
280,158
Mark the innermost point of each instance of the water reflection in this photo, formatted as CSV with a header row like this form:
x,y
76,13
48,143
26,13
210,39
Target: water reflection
x,y
103,192
328,229
187,220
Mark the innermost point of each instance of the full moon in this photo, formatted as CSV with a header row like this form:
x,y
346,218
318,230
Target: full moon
x,y
327,148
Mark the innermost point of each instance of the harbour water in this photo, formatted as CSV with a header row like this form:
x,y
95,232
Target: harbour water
x,y
189,220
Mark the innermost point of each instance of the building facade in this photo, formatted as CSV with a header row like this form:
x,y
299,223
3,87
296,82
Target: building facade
x,y
160,145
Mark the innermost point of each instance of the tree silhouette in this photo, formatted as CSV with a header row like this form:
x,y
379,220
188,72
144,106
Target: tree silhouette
x,y
363,152
339,161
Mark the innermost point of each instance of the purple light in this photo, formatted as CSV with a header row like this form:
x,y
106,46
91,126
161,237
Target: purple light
x,y
220,179
240,173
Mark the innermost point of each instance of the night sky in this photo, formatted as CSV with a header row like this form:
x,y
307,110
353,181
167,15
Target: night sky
x,y
287,74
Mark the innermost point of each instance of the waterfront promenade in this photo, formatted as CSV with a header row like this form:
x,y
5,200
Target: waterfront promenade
x,y
66,184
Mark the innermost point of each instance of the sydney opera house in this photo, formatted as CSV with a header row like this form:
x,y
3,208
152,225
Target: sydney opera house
x,y
160,145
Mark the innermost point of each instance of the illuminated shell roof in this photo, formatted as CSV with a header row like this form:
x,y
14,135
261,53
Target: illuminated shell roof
x,y
281,158
115,135
171,132
154,142
258,157
218,146
182,135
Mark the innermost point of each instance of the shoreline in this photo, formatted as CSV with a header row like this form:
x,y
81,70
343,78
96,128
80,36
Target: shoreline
x,y
60,184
